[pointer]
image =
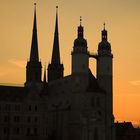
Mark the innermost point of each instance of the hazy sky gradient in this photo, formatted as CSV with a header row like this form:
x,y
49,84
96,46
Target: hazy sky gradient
x,y
122,19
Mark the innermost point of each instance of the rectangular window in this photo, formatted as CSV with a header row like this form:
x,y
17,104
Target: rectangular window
x,y
16,119
28,119
5,131
6,118
36,119
98,102
93,102
46,132
28,131
16,131
7,107
35,108
35,131
17,107
30,108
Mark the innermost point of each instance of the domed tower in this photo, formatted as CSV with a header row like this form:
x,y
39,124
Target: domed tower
x,y
104,77
104,62
80,55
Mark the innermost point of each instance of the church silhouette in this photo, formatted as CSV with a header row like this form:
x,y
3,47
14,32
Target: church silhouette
x,y
78,106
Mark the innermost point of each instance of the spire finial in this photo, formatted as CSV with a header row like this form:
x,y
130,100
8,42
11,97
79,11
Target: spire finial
x,y
104,25
104,33
35,26
35,6
80,20
56,9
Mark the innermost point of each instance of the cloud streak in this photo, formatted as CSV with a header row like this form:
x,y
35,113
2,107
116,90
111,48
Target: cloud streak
x,y
135,83
18,63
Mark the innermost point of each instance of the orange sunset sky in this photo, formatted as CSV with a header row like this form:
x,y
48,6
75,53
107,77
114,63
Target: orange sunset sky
x,y
122,19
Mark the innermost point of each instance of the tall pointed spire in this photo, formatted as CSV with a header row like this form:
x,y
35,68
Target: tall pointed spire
x,y
56,52
34,66
34,56
55,68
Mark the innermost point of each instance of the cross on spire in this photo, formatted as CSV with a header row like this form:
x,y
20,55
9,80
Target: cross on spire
x,y
104,25
80,20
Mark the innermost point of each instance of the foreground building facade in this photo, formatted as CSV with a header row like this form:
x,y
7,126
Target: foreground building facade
x,y
74,107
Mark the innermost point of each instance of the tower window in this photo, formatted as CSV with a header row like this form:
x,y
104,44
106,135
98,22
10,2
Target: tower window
x,y
36,119
16,119
46,132
30,108
16,131
6,118
35,131
7,107
28,119
17,107
28,131
35,108
98,102
5,130
93,102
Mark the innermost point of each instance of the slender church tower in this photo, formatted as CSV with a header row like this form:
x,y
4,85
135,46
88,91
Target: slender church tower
x,y
80,55
55,68
33,68
104,77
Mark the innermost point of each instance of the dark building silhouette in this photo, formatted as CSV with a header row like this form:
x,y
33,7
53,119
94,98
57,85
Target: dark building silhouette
x,y
126,131
74,107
